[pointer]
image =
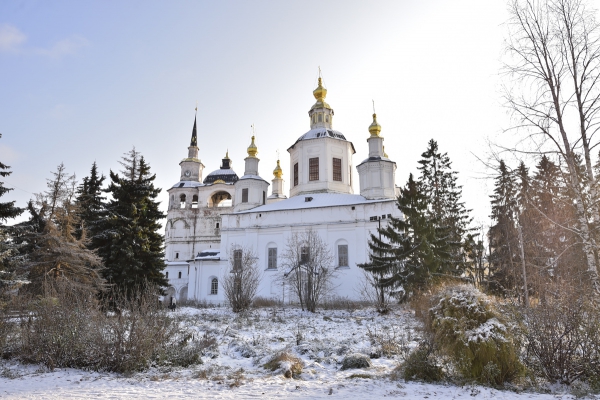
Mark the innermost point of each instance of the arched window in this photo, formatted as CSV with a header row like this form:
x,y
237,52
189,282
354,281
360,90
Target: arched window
x,y
182,201
214,286
342,253
195,201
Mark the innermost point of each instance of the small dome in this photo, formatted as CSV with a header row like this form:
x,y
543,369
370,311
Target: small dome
x,y
375,128
278,172
252,149
320,93
225,175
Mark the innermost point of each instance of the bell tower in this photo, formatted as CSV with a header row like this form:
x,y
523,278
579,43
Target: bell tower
x,y
192,167
377,174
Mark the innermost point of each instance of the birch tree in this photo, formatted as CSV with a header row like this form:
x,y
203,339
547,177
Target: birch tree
x,y
554,92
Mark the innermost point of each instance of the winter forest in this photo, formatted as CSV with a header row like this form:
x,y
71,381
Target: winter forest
x,y
510,307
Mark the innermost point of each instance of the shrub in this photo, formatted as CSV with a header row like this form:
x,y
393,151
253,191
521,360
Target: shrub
x,y
289,364
420,365
562,337
356,360
72,330
470,331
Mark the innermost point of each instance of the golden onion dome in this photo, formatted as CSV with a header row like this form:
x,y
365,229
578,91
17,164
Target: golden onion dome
x,y
278,172
374,128
252,149
320,93
227,155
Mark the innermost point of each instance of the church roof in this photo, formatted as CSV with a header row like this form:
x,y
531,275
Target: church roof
x,y
315,200
318,133
227,175
188,184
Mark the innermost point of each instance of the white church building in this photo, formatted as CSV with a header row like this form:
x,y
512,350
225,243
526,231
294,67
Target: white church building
x,y
209,216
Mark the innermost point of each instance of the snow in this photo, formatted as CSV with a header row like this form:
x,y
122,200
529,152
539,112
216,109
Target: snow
x,y
187,184
245,342
321,133
490,329
317,200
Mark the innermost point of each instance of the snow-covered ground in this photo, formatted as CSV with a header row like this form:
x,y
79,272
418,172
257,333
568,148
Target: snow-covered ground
x,y
233,369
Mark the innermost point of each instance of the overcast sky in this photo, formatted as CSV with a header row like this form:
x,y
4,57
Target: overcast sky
x,y
84,81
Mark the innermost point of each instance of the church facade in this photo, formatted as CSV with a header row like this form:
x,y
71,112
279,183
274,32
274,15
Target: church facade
x,y
208,217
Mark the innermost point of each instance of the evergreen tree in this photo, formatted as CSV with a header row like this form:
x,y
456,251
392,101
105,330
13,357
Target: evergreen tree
x,y
412,250
7,209
53,253
92,207
438,183
503,234
131,246
8,248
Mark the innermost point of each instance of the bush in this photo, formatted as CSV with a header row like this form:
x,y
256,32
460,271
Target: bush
x,y
472,333
420,365
72,330
562,337
356,360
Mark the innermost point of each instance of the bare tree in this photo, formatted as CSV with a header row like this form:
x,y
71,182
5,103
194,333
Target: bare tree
x,y
240,284
308,268
373,292
554,50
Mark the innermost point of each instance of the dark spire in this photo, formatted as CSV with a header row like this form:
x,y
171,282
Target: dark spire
x,y
194,141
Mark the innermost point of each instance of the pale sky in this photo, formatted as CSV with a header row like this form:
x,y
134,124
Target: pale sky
x,y
84,81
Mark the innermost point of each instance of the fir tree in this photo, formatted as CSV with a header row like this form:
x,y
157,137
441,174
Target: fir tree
x,y
503,234
438,183
7,209
8,248
412,250
132,247
92,207
53,252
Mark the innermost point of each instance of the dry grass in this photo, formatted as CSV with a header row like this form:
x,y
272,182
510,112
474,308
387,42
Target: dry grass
x,y
289,364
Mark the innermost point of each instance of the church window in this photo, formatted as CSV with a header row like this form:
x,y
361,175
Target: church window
x,y
272,260
195,201
337,169
296,174
214,286
343,255
167,274
237,259
314,118
327,118
320,118
176,256
313,169
217,226
264,198
179,275
304,255
182,201
245,195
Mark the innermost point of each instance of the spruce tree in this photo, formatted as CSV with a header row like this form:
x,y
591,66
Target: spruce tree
x,y
7,209
503,233
8,248
438,183
132,247
412,250
53,252
92,207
